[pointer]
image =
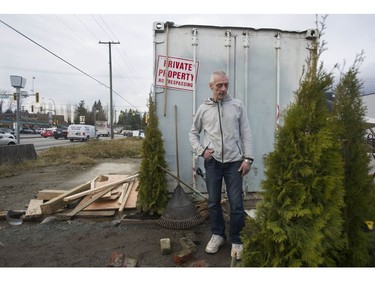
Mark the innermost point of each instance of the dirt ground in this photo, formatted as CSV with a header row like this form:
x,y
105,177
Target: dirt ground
x,y
89,242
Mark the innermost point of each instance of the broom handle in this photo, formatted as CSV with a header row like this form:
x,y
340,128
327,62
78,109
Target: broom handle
x,y
176,132
184,183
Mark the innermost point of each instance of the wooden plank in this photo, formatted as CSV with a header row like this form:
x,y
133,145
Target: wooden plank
x,y
98,189
122,206
131,203
34,210
99,204
58,202
125,187
104,203
86,214
48,194
3,215
95,214
92,183
94,198
98,179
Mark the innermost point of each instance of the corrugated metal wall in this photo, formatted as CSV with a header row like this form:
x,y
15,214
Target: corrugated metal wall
x,y
264,68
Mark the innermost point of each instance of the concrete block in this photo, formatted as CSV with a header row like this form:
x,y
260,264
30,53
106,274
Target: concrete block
x,y
165,246
17,153
130,262
188,244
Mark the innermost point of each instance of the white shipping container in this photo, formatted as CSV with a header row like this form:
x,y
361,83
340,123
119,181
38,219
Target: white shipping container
x,y
264,66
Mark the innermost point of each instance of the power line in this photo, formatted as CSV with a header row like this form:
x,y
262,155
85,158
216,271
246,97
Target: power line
x,y
101,27
52,53
123,55
57,56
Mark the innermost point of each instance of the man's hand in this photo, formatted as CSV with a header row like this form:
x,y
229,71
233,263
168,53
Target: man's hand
x,y
207,155
245,168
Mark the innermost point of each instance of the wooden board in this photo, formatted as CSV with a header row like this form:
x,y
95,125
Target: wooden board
x,y
91,200
111,203
48,194
131,203
113,180
34,210
99,204
65,215
3,215
58,202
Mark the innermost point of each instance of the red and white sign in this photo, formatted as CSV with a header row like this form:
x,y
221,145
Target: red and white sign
x,y
180,73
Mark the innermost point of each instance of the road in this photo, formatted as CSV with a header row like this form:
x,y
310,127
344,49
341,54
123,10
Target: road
x,y
41,143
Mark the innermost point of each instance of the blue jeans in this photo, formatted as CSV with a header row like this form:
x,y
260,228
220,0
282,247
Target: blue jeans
x,y
215,172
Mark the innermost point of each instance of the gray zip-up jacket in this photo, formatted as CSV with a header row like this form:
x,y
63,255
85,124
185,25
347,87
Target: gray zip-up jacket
x,y
226,130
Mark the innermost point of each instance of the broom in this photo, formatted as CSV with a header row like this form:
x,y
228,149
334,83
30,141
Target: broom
x,y
180,212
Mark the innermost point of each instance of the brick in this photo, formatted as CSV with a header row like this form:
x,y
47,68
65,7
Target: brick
x,y
188,244
183,256
116,260
165,246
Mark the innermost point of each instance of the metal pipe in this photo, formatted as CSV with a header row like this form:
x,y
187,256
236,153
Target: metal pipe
x,y
194,43
228,45
246,45
278,47
166,69
18,90
234,66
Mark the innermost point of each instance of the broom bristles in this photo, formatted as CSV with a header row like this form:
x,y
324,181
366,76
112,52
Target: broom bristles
x,y
180,224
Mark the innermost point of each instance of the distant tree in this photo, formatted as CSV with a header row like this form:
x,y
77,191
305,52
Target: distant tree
x,y
359,184
80,111
132,119
299,222
101,115
153,190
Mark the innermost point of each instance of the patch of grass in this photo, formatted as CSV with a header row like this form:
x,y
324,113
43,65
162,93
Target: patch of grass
x,y
85,154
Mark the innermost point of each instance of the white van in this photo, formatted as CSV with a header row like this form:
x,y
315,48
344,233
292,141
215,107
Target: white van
x,y
81,132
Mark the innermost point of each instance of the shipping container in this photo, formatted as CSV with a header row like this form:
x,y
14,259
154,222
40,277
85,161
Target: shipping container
x,y
265,67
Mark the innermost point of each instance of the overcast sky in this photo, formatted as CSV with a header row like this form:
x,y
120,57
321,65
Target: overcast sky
x,y
74,36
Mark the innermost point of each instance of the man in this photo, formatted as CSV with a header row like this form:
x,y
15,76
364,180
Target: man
x,y
228,153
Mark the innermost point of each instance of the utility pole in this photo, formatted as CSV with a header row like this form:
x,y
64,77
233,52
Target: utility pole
x,y
110,83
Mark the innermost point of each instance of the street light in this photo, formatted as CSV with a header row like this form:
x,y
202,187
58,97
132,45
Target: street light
x,y
18,82
54,105
95,112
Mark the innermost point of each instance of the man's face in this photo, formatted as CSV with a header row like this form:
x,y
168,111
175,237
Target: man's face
x,y
219,87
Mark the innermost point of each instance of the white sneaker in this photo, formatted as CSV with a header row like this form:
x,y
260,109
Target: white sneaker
x,y
215,243
237,250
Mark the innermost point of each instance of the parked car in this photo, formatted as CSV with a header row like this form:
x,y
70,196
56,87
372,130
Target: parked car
x,y
60,133
27,131
38,131
7,141
8,135
47,133
6,130
127,133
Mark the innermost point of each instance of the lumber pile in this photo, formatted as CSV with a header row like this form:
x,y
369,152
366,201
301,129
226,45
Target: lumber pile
x,y
103,196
